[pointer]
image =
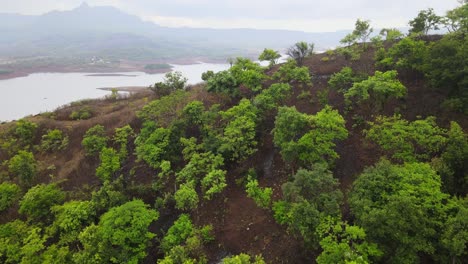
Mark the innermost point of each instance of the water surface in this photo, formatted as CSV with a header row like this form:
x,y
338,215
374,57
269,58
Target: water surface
x,y
41,92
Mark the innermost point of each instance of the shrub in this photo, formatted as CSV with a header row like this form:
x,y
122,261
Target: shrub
x,y
379,88
261,196
109,165
36,203
25,131
23,165
9,194
186,197
81,114
54,140
94,140
289,72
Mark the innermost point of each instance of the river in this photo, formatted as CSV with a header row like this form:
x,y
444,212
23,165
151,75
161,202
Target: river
x,y
41,92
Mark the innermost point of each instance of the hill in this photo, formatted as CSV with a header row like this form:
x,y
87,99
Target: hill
x,y
355,154
60,40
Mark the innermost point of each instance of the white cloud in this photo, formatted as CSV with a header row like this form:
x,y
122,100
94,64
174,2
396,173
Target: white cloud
x,y
307,15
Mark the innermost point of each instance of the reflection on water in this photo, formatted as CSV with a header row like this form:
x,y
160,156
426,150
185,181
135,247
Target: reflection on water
x,y
41,92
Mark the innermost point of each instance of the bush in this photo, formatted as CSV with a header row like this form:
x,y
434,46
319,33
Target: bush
x,y
81,114
377,89
186,197
261,196
9,194
25,132
54,140
289,72
94,140
24,166
152,144
121,236
166,109
38,201
109,165
223,82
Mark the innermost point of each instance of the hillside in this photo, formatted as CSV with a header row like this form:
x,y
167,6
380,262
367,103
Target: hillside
x,y
356,154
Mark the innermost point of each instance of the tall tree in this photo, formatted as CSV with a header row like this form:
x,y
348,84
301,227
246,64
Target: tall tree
x,y
401,207
300,51
425,21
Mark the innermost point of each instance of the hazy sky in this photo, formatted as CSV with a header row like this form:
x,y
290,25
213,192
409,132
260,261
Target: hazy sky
x,y
306,15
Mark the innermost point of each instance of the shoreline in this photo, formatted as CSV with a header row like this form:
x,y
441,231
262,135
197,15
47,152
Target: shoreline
x,y
124,67
129,89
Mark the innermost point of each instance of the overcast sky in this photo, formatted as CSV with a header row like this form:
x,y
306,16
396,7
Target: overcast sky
x,y
306,15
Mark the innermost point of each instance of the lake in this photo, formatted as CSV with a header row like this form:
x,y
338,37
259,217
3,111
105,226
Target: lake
x,y
41,92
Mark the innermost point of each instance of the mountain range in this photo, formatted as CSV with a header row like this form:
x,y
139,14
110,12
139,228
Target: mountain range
x,y
106,39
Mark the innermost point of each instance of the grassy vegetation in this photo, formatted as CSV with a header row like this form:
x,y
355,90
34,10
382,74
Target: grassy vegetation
x,y
353,160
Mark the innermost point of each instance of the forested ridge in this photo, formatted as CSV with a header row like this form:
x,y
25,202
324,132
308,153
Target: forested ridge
x,y
355,155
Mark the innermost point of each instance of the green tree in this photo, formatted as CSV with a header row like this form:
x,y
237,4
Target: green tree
x,y
401,207
272,97
445,68
173,81
178,233
308,138
24,166
166,109
152,144
261,196
290,72
109,165
300,51
12,235
391,34
25,132
183,242
407,141
94,140
248,73
223,82
455,233
70,219
362,31
455,157
269,55
238,138
194,112
121,138
38,201
56,255
54,140
207,75
9,194
186,196
343,80
311,196
379,88
343,243
243,259
456,20
425,21
408,54
121,236
214,182
109,195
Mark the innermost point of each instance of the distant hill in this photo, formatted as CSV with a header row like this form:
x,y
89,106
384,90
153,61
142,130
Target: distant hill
x,y
110,33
